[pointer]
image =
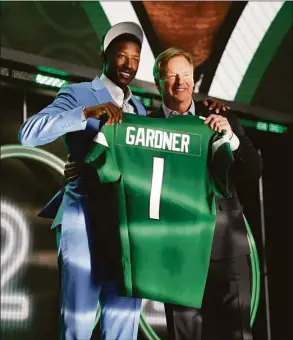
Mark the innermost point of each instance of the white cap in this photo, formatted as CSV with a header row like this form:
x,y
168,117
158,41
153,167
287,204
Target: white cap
x,y
126,27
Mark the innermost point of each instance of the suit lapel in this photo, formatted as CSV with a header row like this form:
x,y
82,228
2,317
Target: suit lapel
x,y
159,113
101,94
200,109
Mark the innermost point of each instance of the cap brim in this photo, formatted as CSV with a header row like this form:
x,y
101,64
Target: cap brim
x,y
127,27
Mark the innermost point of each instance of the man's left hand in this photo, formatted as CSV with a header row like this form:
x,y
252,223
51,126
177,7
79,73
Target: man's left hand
x,y
215,105
219,123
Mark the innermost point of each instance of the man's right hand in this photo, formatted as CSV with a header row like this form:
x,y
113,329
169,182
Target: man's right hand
x,y
110,110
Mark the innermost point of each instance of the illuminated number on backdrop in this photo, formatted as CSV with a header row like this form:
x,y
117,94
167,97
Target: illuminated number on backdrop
x,y
156,187
13,255
13,225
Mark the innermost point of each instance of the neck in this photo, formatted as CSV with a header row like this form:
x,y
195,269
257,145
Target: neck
x,y
179,107
122,87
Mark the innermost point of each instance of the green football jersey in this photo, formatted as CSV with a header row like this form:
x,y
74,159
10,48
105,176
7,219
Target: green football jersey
x,y
166,199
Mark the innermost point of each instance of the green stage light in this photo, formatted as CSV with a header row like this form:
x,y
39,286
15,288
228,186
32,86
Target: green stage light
x,y
277,128
52,71
262,126
50,81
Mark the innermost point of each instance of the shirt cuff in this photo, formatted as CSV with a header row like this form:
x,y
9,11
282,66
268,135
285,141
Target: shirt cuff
x,y
234,142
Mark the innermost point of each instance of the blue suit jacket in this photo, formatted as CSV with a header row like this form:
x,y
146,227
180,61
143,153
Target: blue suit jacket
x,y
64,118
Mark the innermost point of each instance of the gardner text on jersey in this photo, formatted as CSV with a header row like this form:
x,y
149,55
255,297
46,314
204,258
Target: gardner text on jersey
x,y
157,139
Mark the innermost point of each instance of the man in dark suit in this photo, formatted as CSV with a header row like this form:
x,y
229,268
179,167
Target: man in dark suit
x,y
225,313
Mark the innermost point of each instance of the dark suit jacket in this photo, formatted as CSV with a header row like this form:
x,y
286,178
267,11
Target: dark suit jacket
x,y
230,238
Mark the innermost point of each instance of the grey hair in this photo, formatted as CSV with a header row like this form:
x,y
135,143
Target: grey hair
x,y
163,58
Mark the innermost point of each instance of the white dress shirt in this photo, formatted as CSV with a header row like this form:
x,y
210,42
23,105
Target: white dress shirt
x,y
118,96
121,99
234,140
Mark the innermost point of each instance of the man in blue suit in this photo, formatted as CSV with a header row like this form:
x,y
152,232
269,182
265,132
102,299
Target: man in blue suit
x,y
77,114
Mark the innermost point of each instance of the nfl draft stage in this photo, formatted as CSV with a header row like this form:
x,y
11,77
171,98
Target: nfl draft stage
x,y
242,54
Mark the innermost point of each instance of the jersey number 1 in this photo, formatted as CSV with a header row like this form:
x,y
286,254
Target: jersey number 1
x,y
156,188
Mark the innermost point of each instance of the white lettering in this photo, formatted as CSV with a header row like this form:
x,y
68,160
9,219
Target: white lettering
x,y
185,143
158,139
167,141
130,138
140,138
175,141
150,136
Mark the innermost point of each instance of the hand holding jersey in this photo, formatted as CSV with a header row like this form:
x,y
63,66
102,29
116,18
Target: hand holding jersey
x,y
111,111
219,123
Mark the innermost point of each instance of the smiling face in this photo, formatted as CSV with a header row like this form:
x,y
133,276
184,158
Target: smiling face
x,y
176,85
121,62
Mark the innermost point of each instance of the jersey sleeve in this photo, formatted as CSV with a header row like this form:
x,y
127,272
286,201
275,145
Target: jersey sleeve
x,y
222,159
101,155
